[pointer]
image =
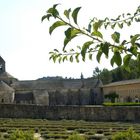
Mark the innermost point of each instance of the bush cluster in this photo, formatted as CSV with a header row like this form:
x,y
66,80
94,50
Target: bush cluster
x,y
121,104
128,135
22,135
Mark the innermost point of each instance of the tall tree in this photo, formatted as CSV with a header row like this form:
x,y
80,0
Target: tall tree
x,y
82,76
106,76
96,73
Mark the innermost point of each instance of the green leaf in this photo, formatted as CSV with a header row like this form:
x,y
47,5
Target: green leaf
x,y
66,41
59,60
77,57
112,61
127,68
46,16
55,25
89,27
113,25
67,13
65,58
85,47
138,58
127,59
90,56
134,38
99,54
138,61
75,14
97,33
70,32
116,37
51,57
120,25
71,58
55,5
54,58
128,14
105,48
117,58
138,45
106,24
133,50
56,50
53,11
128,23
78,47
97,25
118,18
123,42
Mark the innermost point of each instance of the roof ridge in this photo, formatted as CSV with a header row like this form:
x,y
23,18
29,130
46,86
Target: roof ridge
x,y
123,82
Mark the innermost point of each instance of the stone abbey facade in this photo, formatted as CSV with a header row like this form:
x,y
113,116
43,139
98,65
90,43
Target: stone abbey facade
x,y
48,91
127,91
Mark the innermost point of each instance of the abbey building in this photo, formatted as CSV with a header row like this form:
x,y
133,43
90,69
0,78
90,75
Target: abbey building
x,y
48,91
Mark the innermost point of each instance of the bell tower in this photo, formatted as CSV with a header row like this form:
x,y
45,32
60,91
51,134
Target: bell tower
x,y
2,65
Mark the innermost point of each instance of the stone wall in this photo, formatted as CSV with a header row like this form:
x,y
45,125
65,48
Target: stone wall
x,y
126,91
81,96
41,97
88,113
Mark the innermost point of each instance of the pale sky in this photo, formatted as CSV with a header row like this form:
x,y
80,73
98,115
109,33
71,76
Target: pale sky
x,y
25,41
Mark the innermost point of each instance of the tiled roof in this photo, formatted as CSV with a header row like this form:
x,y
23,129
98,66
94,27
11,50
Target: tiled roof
x,y
1,59
125,82
5,75
5,87
56,84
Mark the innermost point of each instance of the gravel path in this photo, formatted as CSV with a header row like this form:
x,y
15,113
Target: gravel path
x,y
38,136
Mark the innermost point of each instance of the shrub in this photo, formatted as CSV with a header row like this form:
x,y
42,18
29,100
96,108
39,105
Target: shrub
x,y
121,104
76,137
22,135
6,136
128,135
112,96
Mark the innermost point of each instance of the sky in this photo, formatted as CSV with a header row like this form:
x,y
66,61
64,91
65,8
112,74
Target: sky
x,y
25,42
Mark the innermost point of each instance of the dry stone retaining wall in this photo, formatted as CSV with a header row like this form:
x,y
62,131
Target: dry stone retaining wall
x,y
89,113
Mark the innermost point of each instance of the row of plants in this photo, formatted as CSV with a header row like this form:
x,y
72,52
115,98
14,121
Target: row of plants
x,y
29,135
121,104
64,129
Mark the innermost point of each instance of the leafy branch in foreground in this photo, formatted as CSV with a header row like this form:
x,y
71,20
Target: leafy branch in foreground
x,y
96,44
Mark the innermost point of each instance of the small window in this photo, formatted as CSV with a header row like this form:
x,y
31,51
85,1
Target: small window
x,y
2,100
0,66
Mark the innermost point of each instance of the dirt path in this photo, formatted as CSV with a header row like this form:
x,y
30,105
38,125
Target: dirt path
x,y
38,136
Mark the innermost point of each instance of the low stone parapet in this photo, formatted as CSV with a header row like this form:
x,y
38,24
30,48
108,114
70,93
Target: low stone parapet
x,y
88,113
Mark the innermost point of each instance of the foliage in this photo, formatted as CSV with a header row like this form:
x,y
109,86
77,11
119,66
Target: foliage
x,y
121,104
104,75
112,96
96,73
22,135
76,137
62,129
119,73
128,135
123,50
82,76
